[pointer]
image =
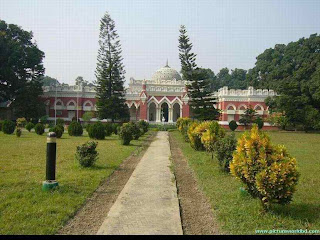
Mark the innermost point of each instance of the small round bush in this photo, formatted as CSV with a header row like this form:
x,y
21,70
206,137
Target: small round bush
x,y
136,132
143,125
75,129
86,154
97,131
125,134
108,129
60,121
8,127
21,122
224,149
233,125
29,126
115,128
44,119
18,132
58,130
39,128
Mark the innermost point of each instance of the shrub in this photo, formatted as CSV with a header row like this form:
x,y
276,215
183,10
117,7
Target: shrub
x,y
108,129
87,116
8,127
60,121
268,171
259,122
196,134
211,135
44,119
125,134
97,131
1,122
190,134
86,154
18,132
88,126
136,132
75,129
29,126
143,125
58,129
39,128
233,125
115,127
224,149
183,125
21,122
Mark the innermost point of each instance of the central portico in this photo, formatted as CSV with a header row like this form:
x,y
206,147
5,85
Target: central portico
x,y
163,98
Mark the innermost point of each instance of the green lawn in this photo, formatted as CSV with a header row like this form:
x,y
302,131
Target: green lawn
x,y
238,214
24,207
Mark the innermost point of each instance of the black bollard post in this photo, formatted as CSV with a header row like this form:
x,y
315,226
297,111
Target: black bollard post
x,y
50,182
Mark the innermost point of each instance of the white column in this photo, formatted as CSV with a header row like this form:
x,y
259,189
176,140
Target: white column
x,y
158,113
170,118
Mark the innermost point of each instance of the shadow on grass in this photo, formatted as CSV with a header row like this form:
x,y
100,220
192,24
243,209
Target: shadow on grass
x,y
305,212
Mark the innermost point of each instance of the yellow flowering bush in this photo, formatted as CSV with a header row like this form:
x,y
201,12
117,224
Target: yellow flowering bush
x,y
195,133
211,135
183,125
268,171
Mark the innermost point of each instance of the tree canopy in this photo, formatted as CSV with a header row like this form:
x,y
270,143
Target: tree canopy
x,y
21,69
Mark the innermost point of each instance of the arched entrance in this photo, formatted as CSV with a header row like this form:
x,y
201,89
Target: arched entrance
x,y
164,112
152,112
176,112
133,113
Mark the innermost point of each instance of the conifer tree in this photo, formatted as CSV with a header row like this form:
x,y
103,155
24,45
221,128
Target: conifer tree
x,y
110,73
201,98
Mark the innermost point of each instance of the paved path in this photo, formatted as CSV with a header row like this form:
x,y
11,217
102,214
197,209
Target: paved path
x,y
148,203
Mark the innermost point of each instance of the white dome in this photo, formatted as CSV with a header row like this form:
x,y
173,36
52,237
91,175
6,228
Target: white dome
x,y
166,73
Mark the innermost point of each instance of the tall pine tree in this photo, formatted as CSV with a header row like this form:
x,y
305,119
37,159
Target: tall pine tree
x,y
201,98
110,74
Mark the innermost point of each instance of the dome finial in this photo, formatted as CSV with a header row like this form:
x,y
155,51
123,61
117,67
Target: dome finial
x,y
167,63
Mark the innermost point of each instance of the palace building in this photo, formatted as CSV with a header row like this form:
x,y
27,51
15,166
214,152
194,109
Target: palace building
x,y
163,98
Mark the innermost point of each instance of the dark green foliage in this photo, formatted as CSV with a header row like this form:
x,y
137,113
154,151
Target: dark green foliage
x,y
75,129
8,127
235,80
125,134
18,132
224,149
29,126
59,130
110,72
39,128
199,89
108,129
259,122
143,125
293,71
44,119
86,154
248,117
136,132
233,125
1,122
60,121
49,81
88,126
21,67
115,128
97,131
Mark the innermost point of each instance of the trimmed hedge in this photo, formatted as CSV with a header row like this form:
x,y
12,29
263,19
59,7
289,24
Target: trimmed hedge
x,y
39,128
86,154
233,125
125,134
58,129
29,126
75,129
97,131
8,127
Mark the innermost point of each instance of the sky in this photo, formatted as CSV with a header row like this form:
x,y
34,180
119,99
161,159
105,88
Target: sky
x,y
224,33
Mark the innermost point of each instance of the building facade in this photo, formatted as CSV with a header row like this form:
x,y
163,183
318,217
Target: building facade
x,y
163,98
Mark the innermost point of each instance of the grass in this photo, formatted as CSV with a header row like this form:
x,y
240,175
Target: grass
x,y
238,214
24,207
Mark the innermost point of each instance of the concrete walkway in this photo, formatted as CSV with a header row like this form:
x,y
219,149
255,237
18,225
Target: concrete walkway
x,y
148,203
